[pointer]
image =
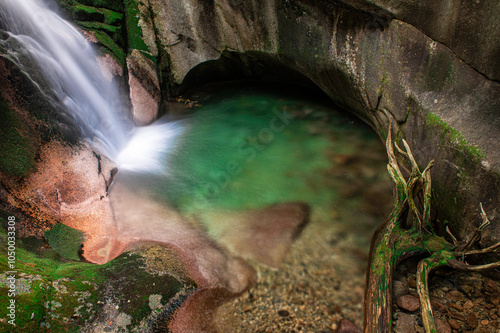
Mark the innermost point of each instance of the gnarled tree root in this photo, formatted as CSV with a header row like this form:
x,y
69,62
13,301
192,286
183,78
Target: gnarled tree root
x,y
409,231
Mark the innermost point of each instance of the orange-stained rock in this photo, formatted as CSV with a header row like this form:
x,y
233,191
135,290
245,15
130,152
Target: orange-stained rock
x,y
71,186
142,217
117,212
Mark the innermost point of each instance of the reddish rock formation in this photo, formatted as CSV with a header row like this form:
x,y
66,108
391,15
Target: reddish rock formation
x,y
72,185
144,88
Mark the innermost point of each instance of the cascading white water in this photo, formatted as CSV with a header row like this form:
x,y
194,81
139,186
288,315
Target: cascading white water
x,y
40,41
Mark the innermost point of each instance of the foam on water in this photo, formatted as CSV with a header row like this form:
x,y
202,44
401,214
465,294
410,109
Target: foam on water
x,y
149,147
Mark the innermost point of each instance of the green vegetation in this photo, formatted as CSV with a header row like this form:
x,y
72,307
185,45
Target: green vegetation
x,y
17,154
115,5
134,31
47,283
65,240
105,19
114,23
55,295
450,135
99,26
106,16
410,231
439,71
113,49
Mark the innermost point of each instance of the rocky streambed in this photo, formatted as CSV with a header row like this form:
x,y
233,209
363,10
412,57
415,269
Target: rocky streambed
x,y
429,70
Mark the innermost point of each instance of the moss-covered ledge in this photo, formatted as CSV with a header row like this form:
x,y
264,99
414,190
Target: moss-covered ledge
x,y
131,293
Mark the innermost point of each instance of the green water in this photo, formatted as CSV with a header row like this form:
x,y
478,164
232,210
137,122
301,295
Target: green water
x,y
246,149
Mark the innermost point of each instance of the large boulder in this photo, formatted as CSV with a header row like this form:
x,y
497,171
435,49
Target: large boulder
x,y
144,88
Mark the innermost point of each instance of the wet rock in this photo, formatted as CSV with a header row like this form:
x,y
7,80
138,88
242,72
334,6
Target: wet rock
x,y
456,306
283,313
490,286
198,49
91,297
472,320
399,289
442,326
412,283
438,306
71,186
454,296
144,88
456,315
347,326
265,234
218,274
405,324
466,33
344,159
468,305
155,301
408,302
454,324
109,67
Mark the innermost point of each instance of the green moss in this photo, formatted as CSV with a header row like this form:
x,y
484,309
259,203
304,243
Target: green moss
x,y
453,136
103,18
71,5
81,12
437,244
115,5
44,277
439,71
17,155
99,26
110,45
63,296
134,31
65,240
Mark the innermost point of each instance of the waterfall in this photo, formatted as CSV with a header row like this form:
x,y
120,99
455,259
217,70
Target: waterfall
x,y
55,56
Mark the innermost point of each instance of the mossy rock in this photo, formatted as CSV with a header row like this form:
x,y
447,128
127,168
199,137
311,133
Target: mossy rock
x,y
449,135
17,152
134,31
65,240
105,19
116,5
60,296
